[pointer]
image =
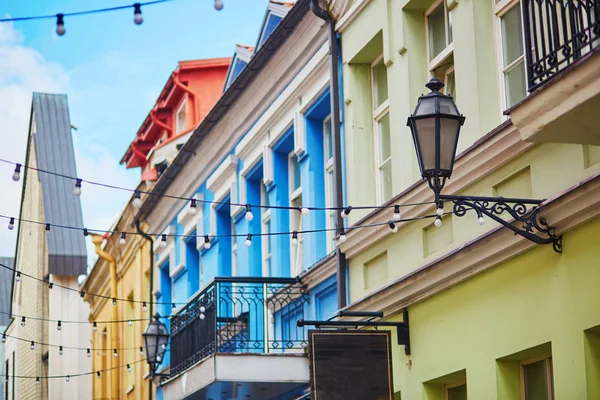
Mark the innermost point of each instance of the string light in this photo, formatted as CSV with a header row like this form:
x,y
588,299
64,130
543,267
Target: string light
x,y
47,227
77,188
304,210
32,346
37,380
94,327
130,322
163,241
82,294
114,302
393,227
294,238
137,14
99,374
85,232
50,285
342,237
88,353
481,220
440,211
3,337
128,368
173,306
193,207
68,378
115,354
22,321
60,351
438,221
396,217
141,351
18,277
17,174
207,244
249,216
144,307
218,5
248,241
346,211
137,199
123,240
11,224
59,326
60,25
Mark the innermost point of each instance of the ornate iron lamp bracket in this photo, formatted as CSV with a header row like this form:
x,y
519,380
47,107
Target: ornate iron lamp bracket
x,y
528,223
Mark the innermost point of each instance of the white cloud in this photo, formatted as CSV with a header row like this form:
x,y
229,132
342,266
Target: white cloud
x,y
24,70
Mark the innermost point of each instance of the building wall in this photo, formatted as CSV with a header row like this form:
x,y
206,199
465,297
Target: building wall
x,y
536,298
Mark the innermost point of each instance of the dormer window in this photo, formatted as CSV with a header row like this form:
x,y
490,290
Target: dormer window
x,y
181,118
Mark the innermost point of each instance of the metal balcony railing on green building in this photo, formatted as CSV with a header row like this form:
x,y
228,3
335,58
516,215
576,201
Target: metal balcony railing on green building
x,y
557,34
239,315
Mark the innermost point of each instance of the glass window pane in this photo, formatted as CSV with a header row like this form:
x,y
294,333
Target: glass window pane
x,y
450,36
450,85
458,393
514,84
385,146
296,179
386,182
436,26
512,35
380,89
328,139
534,376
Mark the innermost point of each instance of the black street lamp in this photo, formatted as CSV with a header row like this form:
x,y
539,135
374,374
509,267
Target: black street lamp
x,y
435,126
156,338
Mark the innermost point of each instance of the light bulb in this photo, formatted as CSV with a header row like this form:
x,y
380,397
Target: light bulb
x,y
60,25
141,351
440,211
343,237
144,307
481,220
163,241
438,222
89,353
60,351
18,277
37,380
393,227
11,224
128,368
130,322
173,306
305,211
207,244
294,238
123,239
4,338
137,14
193,210
77,188
137,199
164,346
396,217
248,241
59,326
68,378
158,358
249,216
98,374
218,5
202,309
23,322
32,345
114,302
94,327
17,174
345,212
115,353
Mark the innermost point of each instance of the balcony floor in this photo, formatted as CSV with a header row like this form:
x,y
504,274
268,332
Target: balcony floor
x,y
227,376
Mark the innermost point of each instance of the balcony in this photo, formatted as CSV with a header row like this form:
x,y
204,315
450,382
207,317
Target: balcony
x,y
238,337
562,72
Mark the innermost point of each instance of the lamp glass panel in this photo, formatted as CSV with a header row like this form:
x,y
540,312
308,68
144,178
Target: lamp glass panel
x,y
426,106
150,341
448,139
425,131
447,106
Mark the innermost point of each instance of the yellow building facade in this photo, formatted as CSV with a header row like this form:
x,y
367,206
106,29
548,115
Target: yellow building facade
x,y
491,314
129,279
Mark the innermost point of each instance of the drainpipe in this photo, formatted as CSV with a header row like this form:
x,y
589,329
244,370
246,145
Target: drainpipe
x,y
192,95
114,328
160,123
334,92
150,300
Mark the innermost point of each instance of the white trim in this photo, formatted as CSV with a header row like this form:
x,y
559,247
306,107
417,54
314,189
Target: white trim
x,y
299,134
267,165
182,108
223,173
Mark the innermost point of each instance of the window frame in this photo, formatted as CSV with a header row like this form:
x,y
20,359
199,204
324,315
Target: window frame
x,y
296,219
292,161
234,248
439,58
379,113
329,189
182,108
265,222
547,358
452,386
500,9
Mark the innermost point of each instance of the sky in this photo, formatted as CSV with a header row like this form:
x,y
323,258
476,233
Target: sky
x,y
112,71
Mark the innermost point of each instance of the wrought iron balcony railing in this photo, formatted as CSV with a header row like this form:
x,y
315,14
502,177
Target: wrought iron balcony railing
x,y
239,315
557,34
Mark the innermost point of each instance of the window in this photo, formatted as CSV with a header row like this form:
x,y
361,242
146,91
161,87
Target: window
x,y
329,188
295,187
456,391
266,230
295,173
537,379
181,118
233,249
512,59
438,22
381,127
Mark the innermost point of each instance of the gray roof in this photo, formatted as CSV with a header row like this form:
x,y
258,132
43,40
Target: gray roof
x,y
6,279
54,151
